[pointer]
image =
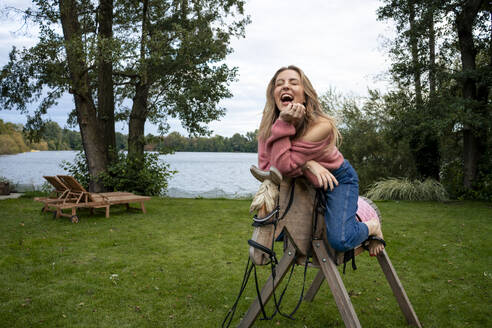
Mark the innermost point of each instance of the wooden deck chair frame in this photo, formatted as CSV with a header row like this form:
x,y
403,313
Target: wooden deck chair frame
x,y
79,197
61,192
76,190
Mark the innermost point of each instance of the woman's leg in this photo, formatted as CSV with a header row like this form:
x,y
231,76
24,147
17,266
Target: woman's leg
x,y
343,230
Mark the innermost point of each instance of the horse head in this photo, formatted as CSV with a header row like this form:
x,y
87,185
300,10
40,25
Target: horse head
x,y
265,204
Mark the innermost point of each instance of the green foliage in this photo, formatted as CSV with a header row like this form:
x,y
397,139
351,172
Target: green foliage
x,y
176,142
148,178
11,139
125,174
164,57
405,189
365,125
438,102
51,137
177,50
78,169
452,179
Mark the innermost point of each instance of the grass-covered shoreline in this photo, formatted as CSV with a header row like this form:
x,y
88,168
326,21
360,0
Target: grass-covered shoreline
x,y
181,264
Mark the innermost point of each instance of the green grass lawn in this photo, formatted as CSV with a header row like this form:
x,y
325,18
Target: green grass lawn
x,y
181,264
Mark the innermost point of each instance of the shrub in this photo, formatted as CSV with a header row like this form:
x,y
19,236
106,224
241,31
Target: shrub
x,y
151,178
78,169
452,179
148,179
404,189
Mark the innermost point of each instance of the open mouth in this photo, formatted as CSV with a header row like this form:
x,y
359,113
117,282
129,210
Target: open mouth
x,y
286,99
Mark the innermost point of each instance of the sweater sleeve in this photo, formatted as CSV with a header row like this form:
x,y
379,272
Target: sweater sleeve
x,y
263,157
279,148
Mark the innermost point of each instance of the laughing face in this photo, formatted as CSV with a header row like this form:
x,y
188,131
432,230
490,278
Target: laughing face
x,y
288,89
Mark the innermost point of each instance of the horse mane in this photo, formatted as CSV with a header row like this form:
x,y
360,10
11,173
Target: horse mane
x,y
265,196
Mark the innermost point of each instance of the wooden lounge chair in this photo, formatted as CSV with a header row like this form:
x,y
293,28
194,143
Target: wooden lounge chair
x,y
59,193
79,197
61,190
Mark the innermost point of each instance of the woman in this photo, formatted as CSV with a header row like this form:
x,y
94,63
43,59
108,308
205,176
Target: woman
x,y
297,138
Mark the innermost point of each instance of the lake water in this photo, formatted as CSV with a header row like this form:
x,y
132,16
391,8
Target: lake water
x,y
208,175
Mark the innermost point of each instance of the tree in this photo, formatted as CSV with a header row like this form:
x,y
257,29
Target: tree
x,y
413,54
447,45
475,90
173,68
163,56
367,127
63,63
11,140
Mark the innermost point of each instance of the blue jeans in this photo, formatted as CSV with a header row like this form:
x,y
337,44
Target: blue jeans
x,y
343,230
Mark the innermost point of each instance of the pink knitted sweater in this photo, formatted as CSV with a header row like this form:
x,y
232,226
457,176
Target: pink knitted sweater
x,y
288,155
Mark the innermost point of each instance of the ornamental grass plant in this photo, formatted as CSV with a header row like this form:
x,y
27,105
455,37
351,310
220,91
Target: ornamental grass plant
x,y
405,189
181,265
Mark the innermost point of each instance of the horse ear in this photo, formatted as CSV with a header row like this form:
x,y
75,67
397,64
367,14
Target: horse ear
x,y
260,175
273,174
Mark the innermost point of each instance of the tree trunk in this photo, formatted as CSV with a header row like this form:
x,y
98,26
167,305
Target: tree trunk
x,y
136,127
105,94
473,146
138,115
90,129
432,59
423,143
415,56
432,166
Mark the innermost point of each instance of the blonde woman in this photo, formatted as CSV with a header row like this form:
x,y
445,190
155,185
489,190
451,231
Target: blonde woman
x,y
297,138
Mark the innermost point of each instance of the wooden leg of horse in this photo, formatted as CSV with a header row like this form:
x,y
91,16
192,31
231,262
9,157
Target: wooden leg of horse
x,y
267,291
337,287
398,290
315,286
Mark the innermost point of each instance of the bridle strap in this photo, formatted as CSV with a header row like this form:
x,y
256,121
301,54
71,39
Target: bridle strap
x,y
262,248
258,222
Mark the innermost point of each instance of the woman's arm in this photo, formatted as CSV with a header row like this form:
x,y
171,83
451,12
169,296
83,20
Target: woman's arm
x,y
289,161
279,148
319,175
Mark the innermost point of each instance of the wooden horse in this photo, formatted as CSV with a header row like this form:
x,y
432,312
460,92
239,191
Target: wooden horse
x,y
302,224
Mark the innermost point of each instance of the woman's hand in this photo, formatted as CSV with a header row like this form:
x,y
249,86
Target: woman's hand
x,y
292,113
324,176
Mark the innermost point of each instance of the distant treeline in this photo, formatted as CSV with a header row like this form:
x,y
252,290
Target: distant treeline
x,y
13,140
177,142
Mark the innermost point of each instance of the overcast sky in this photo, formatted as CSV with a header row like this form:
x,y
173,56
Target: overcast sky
x,y
336,42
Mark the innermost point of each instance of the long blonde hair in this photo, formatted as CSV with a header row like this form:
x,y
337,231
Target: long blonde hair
x,y
312,104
